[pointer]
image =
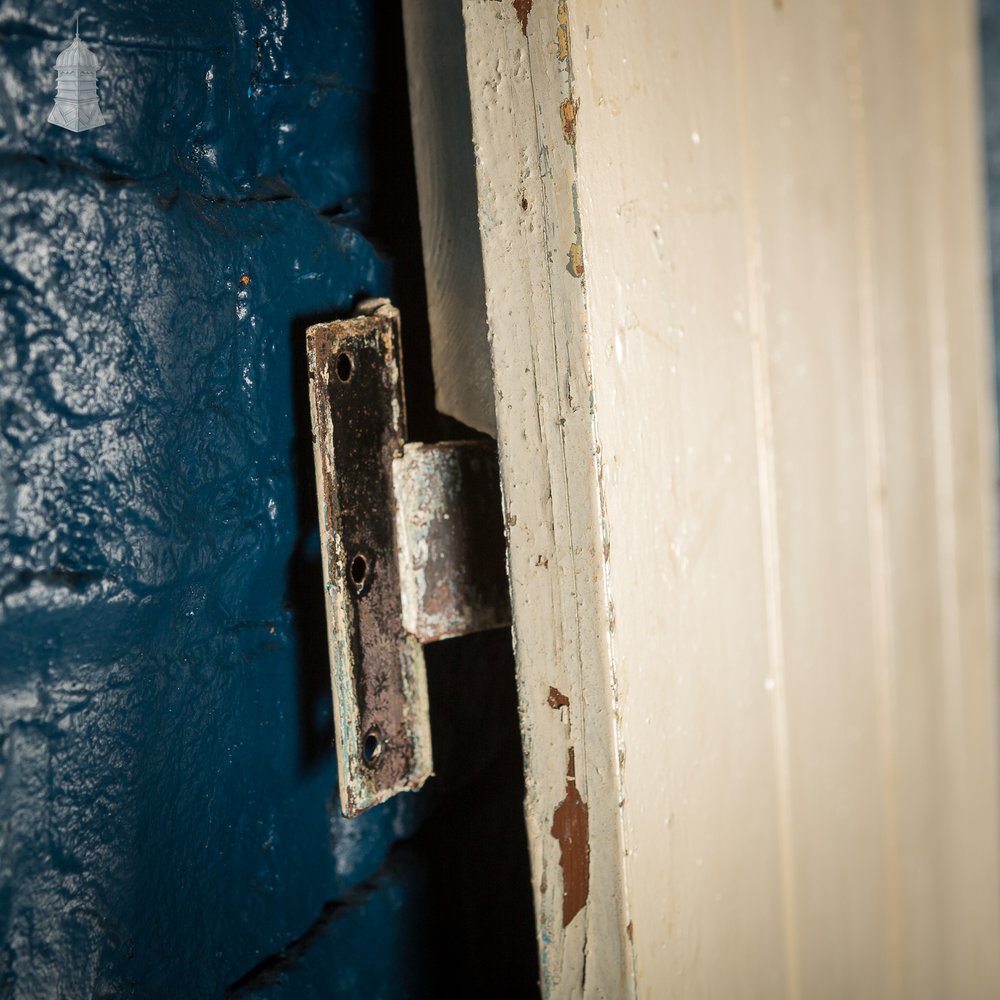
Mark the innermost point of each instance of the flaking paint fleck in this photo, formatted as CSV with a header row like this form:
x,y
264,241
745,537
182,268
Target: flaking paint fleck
x,y
575,266
567,112
557,699
571,827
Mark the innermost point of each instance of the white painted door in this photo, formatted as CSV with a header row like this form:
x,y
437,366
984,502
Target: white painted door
x,y
736,294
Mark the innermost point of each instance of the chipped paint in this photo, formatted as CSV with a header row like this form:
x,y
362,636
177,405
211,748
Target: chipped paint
x,y
567,112
557,699
562,30
523,104
523,8
575,255
570,826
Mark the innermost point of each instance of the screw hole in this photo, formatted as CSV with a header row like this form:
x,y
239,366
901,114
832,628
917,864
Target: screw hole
x,y
359,571
372,745
345,367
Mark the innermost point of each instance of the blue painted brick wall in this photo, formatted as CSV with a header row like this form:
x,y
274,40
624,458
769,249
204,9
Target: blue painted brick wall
x,y
167,793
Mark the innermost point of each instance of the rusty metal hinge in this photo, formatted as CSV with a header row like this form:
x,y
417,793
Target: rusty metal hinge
x,y
413,551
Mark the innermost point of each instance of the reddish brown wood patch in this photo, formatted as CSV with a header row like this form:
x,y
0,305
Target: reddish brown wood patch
x,y
523,8
567,111
557,699
570,826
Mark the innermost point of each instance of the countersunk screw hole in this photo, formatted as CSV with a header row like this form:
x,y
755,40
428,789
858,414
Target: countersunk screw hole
x,y
372,746
359,571
345,367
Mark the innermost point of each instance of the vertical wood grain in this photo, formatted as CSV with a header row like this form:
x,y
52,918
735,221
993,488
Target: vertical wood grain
x,y
739,319
446,183
549,470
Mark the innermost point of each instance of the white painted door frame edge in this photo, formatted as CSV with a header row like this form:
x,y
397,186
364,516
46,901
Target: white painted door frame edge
x,y
519,224
523,113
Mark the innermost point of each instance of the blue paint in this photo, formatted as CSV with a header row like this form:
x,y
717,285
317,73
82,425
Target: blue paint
x,y
167,791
